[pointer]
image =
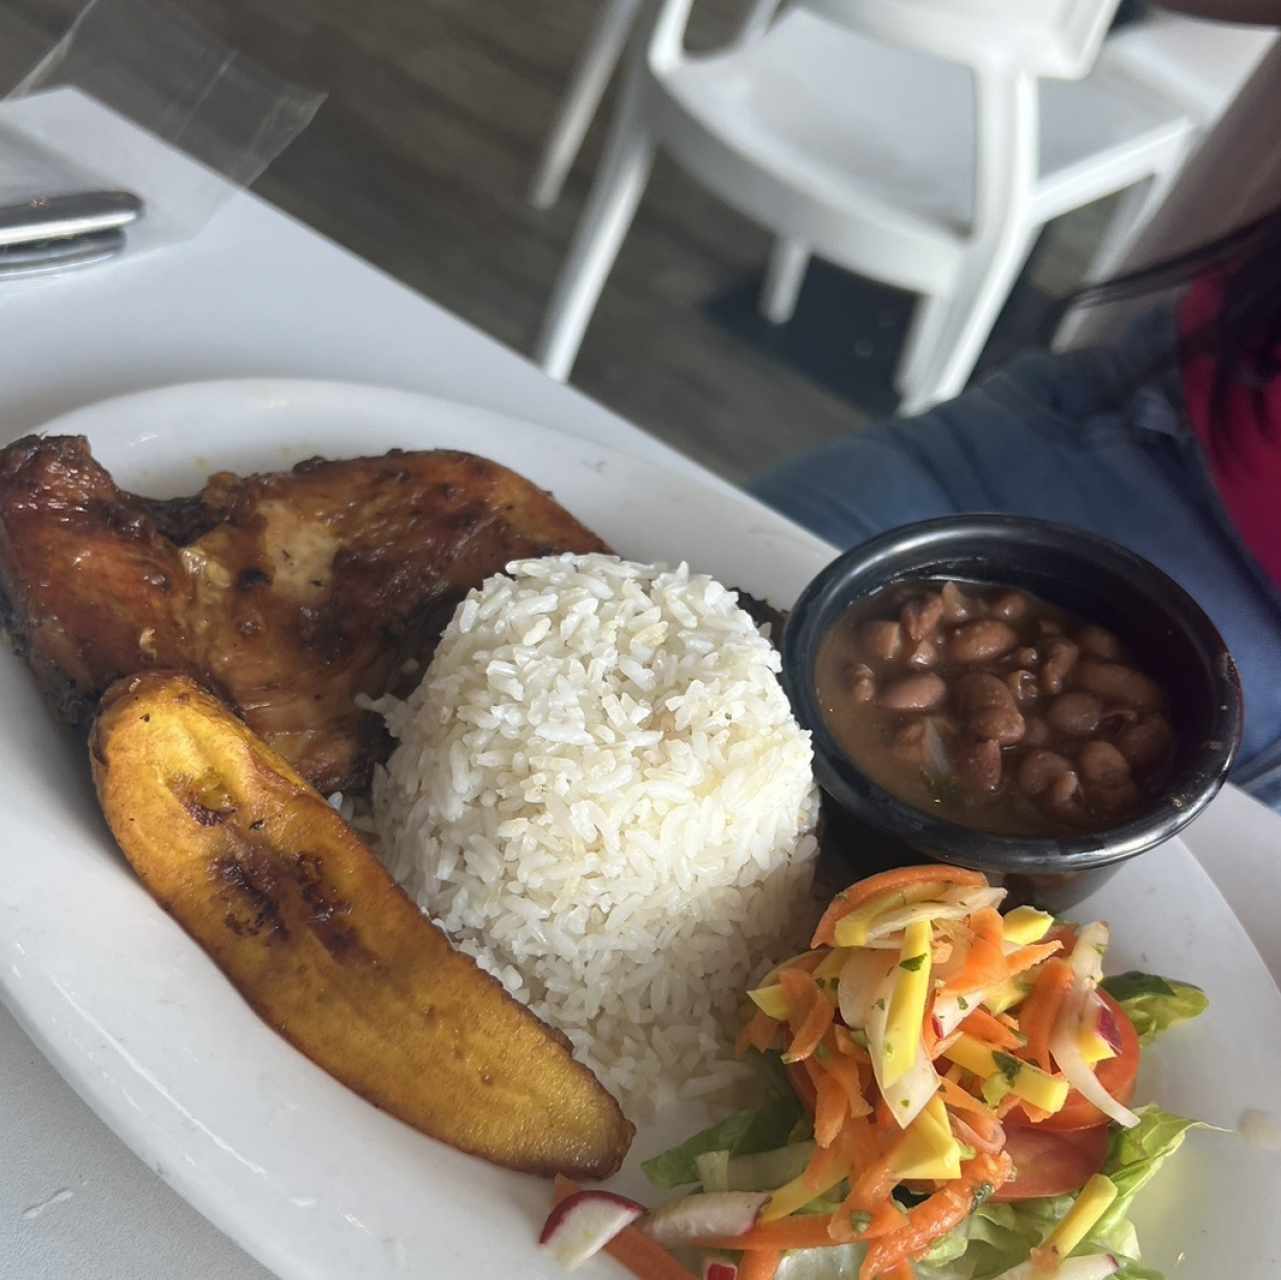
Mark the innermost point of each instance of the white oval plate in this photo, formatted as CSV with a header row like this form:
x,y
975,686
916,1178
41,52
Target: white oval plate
x,y
305,1175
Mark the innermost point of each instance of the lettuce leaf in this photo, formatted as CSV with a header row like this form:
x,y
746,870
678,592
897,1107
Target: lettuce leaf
x,y
744,1133
997,1237
1155,1004
1134,1159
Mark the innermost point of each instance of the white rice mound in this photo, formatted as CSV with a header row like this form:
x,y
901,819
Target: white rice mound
x,y
601,794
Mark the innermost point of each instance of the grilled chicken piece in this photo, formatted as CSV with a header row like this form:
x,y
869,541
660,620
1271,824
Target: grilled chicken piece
x,y
289,594
320,940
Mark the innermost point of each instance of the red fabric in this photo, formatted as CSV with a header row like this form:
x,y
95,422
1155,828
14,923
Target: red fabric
x,y
1247,472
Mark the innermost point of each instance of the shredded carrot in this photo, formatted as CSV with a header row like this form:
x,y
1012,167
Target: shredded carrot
x,y
759,1264
845,1071
985,963
902,1272
1027,957
985,1125
797,1231
1041,1009
809,1026
829,1166
831,1104
886,1218
635,1250
847,1045
929,1030
821,1169
934,1218
983,1026
885,1117
759,1032
876,1181
898,878
1007,1104
962,1099
802,1085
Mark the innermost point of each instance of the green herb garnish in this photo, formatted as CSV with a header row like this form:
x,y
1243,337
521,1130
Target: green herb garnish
x,y
1008,1066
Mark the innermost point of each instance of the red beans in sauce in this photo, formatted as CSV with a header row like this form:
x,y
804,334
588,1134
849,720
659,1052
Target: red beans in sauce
x,y
995,709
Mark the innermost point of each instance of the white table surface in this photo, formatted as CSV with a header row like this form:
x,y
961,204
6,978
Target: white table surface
x,y
256,293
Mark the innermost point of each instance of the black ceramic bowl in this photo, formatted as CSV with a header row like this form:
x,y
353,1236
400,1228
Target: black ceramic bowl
x,y
1090,576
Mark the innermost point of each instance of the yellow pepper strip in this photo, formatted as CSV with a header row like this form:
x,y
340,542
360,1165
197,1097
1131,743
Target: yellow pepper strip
x,y
1030,1083
1025,925
770,1001
907,1004
1094,1201
804,1187
852,929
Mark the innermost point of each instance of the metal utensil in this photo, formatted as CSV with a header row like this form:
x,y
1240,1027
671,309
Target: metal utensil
x,y
46,218
41,257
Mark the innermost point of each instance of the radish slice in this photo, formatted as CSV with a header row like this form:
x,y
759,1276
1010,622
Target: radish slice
x,y
907,1096
1104,1022
1095,1266
1065,1045
719,1269
718,1213
584,1223
864,971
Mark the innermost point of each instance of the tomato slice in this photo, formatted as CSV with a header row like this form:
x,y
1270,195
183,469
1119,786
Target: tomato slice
x,y
1052,1164
1116,1075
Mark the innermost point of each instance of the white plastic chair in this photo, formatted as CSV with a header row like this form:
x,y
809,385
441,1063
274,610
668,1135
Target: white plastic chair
x,y
592,72
911,141
1199,65
587,84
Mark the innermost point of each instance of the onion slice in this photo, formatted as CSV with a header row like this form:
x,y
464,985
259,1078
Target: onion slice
x,y
907,1096
1087,956
948,1011
1065,1040
1065,1045
863,973
974,899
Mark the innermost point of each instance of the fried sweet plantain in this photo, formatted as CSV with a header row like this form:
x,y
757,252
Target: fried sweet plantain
x,y
320,940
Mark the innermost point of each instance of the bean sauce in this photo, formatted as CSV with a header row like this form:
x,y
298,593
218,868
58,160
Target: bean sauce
x,y
995,709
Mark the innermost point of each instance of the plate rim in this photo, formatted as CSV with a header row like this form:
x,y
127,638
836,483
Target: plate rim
x,y
219,1206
